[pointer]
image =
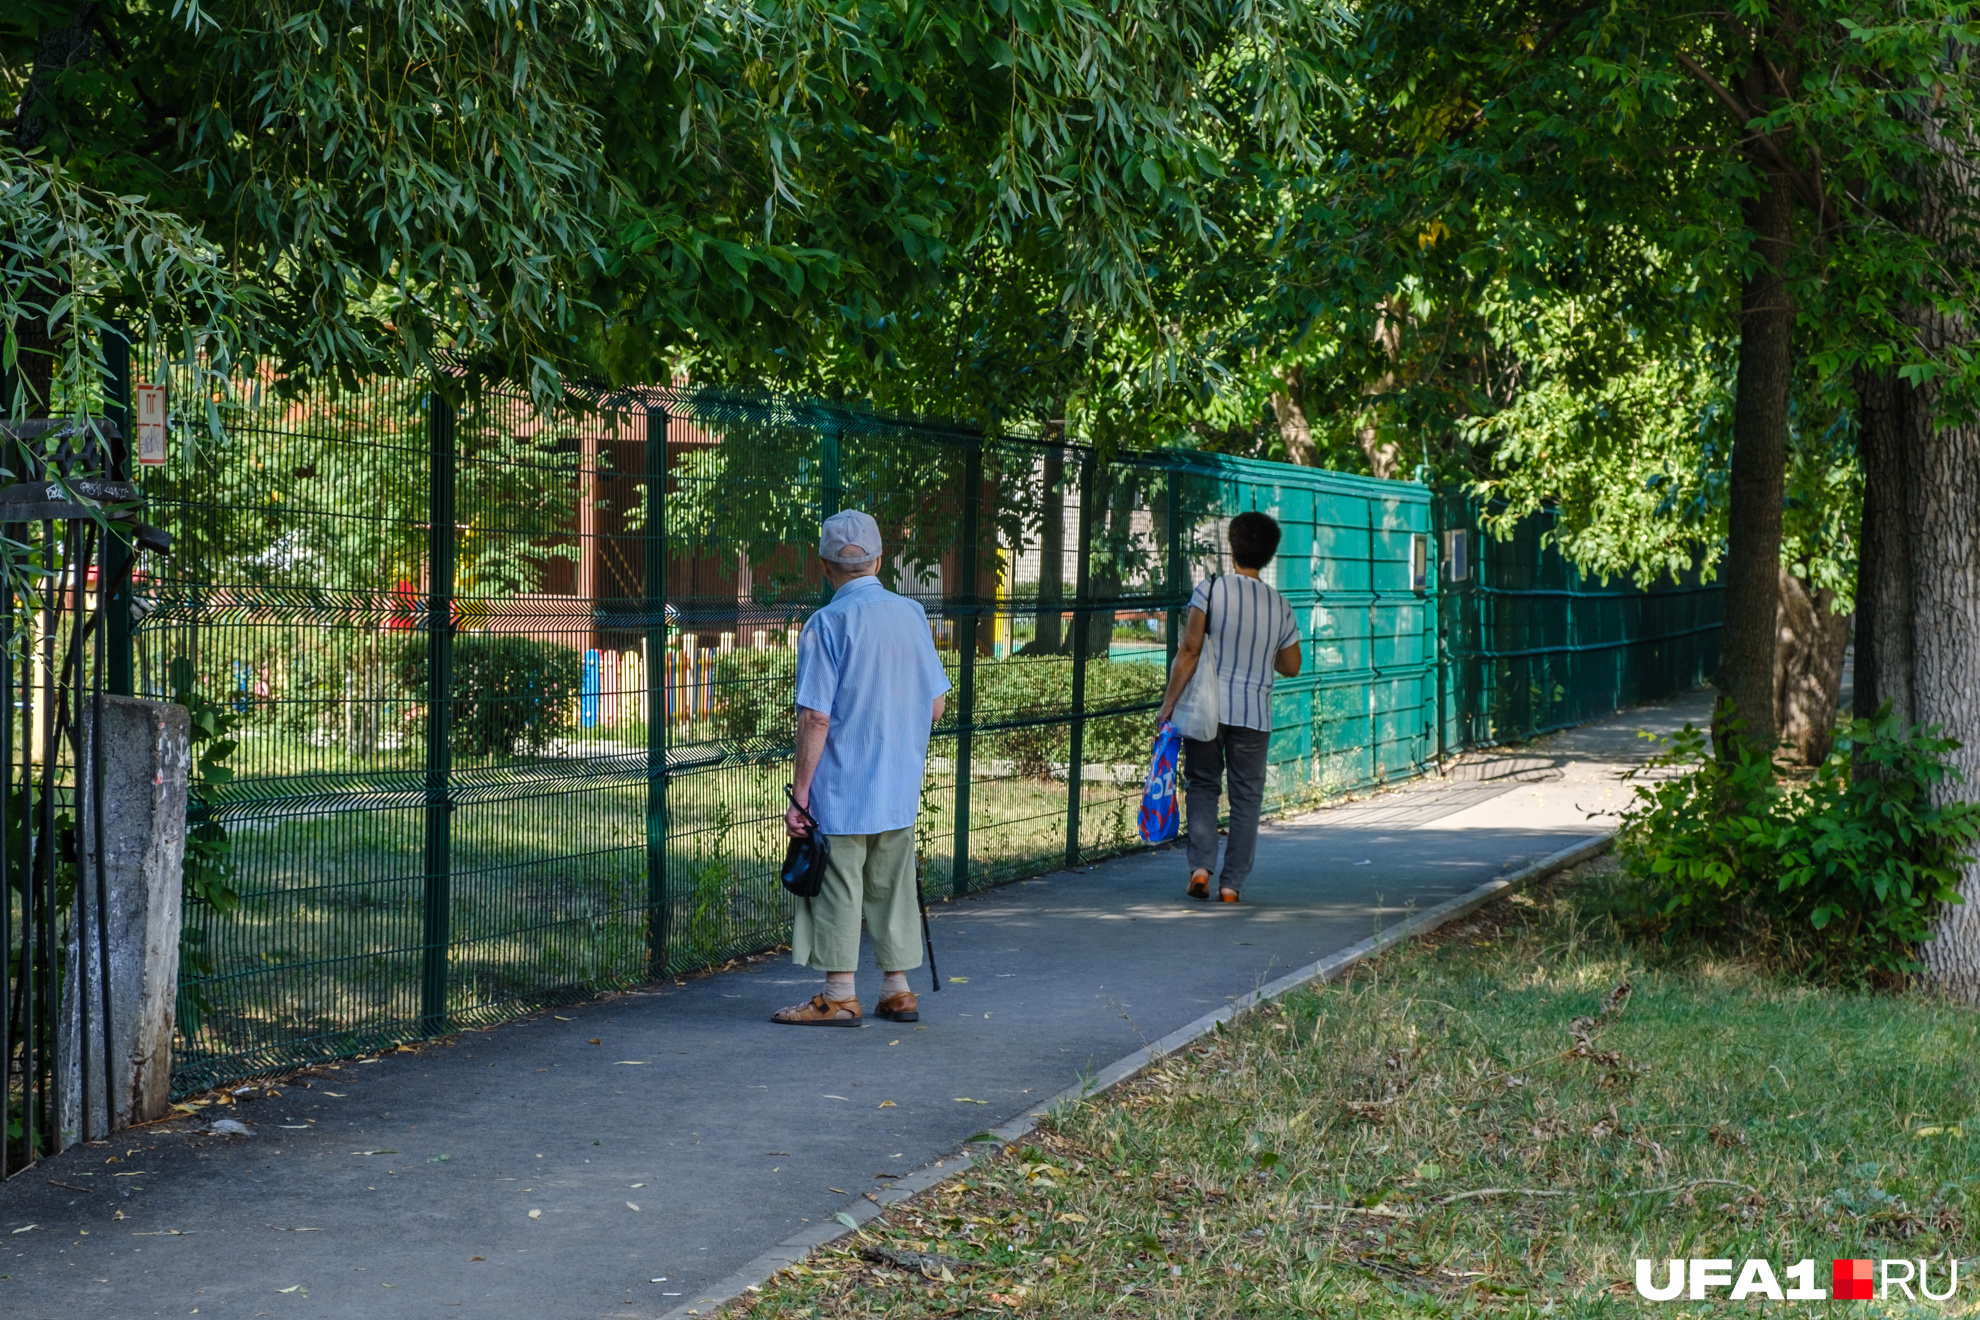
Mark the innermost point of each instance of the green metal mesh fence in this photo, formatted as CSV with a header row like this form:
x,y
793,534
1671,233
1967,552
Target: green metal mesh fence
x,y
1533,645
576,784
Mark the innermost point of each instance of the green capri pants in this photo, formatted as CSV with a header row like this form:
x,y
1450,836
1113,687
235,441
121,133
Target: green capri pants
x,y
871,877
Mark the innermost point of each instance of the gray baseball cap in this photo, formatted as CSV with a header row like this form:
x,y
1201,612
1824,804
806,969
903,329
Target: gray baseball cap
x,y
849,537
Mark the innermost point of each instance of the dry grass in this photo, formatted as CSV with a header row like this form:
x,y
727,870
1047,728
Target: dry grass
x,y
1500,1119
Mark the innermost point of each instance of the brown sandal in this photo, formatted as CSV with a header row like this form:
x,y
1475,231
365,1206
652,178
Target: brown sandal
x,y
1199,886
1227,896
820,1012
899,1008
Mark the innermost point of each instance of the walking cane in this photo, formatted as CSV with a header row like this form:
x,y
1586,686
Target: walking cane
x,y
928,942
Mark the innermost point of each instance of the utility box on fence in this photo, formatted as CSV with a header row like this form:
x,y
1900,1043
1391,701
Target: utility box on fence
x,y
146,761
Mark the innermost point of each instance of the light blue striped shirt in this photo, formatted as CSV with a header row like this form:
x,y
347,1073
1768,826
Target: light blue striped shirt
x,y
866,660
1251,624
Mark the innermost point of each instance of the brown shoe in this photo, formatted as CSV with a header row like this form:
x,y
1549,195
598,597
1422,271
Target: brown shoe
x,y
899,1008
820,1012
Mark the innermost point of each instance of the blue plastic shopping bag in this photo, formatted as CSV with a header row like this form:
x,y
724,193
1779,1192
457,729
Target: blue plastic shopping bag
x,y
1158,817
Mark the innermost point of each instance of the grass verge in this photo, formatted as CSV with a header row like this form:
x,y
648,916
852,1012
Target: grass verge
x,y
1500,1119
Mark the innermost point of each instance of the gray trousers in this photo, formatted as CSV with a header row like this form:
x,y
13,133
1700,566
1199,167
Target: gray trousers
x,y
1240,753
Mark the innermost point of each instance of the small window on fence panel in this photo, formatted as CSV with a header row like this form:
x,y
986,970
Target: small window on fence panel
x,y
1457,555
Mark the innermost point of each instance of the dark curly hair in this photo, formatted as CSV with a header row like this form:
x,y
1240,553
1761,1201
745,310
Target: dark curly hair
x,y
1254,540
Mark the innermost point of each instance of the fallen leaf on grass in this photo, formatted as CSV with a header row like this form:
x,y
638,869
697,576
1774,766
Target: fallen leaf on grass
x,y
1071,1218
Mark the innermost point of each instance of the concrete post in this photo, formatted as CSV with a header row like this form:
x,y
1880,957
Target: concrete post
x,y
146,761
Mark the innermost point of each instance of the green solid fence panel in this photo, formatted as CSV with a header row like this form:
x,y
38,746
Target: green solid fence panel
x,y
1363,710
516,689
1532,645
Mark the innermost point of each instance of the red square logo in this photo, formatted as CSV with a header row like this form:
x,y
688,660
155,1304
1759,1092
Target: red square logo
x,y
1851,1281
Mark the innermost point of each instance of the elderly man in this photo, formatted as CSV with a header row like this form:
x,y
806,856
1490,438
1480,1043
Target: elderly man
x,y
869,687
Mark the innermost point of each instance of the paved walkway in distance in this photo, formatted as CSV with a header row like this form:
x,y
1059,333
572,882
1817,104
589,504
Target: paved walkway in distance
x,y
607,1160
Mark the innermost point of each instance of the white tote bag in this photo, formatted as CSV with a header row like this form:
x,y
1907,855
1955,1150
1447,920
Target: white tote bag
x,y
1199,710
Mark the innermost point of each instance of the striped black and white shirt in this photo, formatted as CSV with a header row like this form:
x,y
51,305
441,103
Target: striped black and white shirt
x,y
1251,624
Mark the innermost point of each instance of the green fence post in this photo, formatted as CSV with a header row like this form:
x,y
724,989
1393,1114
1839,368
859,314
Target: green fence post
x,y
439,714
829,494
117,544
1438,576
1178,570
966,630
654,608
1082,602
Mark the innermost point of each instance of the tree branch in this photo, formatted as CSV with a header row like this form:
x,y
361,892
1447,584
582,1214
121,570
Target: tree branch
x,y
1744,116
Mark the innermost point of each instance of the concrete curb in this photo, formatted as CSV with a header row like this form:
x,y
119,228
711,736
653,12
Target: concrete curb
x,y
751,1277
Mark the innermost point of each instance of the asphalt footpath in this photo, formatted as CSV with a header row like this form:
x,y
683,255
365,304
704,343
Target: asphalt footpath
x,y
608,1160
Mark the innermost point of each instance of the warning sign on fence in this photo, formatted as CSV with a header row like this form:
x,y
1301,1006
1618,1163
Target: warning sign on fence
x,y
150,425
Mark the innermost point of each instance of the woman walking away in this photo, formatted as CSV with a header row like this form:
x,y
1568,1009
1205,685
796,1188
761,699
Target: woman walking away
x,y
1255,639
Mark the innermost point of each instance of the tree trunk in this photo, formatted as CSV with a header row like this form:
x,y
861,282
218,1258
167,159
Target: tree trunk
x,y
1384,457
1759,460
1945,644
1883,563
1289,406
1922,485
1808,660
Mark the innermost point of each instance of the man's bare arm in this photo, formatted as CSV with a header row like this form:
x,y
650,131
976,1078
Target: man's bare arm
x,y
1286,662
812,726
941,704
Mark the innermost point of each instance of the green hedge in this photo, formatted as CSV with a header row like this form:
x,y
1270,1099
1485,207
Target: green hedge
x,y
754,712
512,695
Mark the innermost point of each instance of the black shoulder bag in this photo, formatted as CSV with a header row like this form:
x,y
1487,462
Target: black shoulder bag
x,y
806,858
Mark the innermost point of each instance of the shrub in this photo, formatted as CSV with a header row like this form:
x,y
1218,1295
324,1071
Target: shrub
x,y
512,695
754,710
1854,865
